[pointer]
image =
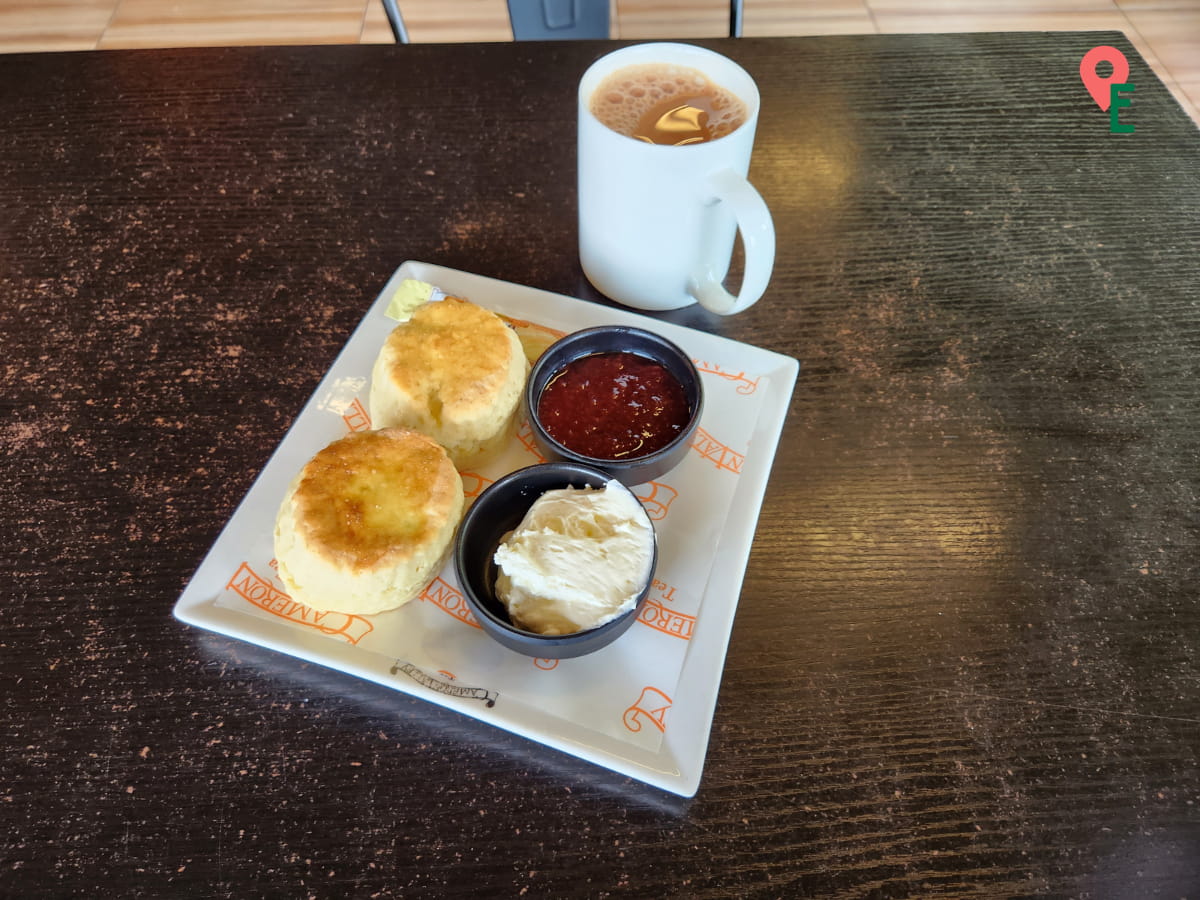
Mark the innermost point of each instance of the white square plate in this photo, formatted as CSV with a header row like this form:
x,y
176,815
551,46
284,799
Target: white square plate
x,y
676,762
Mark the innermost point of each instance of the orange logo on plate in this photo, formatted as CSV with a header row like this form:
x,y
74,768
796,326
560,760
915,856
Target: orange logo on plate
x,y
716,452
253,588
442,595
666,620
652,705
356,416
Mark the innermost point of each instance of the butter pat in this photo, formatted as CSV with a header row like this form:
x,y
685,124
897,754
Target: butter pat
x,y
409,294
579,559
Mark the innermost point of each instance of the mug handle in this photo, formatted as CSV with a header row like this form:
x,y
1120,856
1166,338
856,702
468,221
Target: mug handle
x,y
758,240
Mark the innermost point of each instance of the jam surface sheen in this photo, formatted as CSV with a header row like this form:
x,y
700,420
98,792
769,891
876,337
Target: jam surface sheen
x,y
613,406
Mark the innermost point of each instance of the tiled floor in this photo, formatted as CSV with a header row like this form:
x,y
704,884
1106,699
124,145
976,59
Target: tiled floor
x,y
1166,32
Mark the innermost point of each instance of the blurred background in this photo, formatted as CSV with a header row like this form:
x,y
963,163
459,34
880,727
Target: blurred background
x,y
1165,32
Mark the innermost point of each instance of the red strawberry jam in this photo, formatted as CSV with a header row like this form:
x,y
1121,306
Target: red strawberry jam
x,y
613,406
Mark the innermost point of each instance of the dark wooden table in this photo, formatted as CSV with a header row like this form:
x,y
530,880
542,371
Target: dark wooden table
x,y
965,660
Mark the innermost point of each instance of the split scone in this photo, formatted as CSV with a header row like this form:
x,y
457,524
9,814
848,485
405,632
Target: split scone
x,y
455,372
368,521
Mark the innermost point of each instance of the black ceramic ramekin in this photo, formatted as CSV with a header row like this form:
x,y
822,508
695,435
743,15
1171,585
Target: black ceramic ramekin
x,y
497,511
630,470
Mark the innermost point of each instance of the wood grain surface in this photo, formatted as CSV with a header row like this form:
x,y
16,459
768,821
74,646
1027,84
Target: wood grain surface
x,y
965,656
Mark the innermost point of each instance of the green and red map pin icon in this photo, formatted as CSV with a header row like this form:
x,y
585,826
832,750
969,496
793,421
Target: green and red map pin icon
x,y
1099,86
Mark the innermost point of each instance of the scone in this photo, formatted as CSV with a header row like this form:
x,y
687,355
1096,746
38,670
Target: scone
x,y
368,522
455,372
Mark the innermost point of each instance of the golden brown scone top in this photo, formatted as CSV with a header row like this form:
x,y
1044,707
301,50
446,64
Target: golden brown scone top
x,y
375,495
453,352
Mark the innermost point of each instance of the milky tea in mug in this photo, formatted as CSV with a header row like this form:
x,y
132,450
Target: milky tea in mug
x,y
660,103
665,136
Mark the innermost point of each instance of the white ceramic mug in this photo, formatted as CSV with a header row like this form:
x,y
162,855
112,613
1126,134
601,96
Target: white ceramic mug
x,y
657,223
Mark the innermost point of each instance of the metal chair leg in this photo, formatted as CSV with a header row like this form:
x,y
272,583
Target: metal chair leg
x,y
396,21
